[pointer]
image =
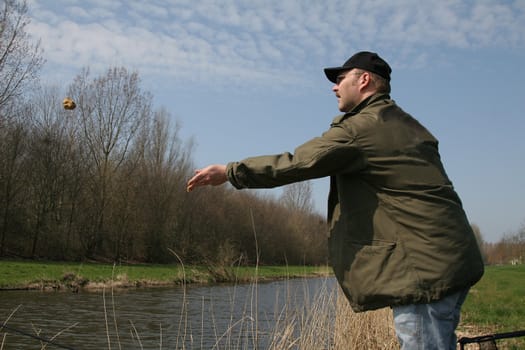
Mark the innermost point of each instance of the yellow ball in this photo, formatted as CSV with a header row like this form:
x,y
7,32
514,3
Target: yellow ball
x,y
68,103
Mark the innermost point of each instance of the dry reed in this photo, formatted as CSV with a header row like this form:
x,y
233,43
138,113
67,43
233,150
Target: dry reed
x,y
364,330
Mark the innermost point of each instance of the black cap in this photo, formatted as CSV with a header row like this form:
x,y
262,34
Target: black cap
x,y
369,61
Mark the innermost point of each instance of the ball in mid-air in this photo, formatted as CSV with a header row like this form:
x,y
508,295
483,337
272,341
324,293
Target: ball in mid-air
x,y
68,103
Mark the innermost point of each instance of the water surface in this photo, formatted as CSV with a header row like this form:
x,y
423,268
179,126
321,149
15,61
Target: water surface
x,y
241,316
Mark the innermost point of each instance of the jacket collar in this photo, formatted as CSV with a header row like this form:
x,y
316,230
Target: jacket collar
x,y
366,102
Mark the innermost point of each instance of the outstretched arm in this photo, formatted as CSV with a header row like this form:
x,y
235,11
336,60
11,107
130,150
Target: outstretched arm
x,y
213,175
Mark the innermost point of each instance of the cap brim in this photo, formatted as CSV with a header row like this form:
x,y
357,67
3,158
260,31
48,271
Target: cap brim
x,y
333,72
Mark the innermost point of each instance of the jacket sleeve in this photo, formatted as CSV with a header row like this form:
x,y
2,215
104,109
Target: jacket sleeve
x,y
336,151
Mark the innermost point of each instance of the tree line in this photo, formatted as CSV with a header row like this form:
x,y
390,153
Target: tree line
x,y
508,250
106,180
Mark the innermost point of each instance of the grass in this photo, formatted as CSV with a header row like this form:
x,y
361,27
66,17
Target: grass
x,y
43,275
496,304
366,330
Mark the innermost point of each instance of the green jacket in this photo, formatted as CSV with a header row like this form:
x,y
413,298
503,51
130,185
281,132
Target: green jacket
x,y
398,232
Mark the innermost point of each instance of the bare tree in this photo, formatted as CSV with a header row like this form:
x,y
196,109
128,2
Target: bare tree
x,y
165,168
111,111
306,229
298,196
20,59
49,158
12,154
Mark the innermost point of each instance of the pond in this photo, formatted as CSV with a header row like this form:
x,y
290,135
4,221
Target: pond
x,y
241,316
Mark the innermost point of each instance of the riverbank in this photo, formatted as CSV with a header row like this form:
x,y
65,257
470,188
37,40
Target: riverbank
x,y
68,276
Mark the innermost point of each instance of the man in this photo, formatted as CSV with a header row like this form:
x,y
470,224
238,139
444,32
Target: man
x,y
399,236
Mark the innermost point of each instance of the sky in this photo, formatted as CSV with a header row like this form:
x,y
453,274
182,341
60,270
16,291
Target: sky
x,y
245,77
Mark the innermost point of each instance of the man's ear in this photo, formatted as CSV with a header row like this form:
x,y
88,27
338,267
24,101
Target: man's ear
x,y
365,81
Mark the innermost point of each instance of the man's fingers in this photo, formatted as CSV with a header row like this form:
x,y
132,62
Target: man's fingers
x,y
211,175
197,180
190,184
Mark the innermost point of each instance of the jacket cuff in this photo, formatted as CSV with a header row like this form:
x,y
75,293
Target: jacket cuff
x,y
230,173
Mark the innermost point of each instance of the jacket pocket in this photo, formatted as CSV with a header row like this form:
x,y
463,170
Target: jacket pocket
x,y
372,274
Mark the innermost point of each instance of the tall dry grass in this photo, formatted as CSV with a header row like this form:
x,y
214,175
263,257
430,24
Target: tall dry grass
x,y
330,323
364,330
326,321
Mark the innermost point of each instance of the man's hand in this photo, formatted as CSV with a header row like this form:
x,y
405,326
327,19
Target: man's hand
x,y
211,175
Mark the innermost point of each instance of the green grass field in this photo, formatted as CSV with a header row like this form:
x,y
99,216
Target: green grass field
x,y
496,304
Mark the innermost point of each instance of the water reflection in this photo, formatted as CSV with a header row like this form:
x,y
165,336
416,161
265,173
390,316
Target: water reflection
x,y
196,317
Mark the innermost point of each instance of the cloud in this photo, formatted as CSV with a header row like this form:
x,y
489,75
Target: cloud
x,y
232,41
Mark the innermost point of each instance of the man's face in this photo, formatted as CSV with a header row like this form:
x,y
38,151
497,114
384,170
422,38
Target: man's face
x,y
347,90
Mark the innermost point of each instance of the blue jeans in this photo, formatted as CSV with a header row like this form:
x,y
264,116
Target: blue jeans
x,y
429,326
